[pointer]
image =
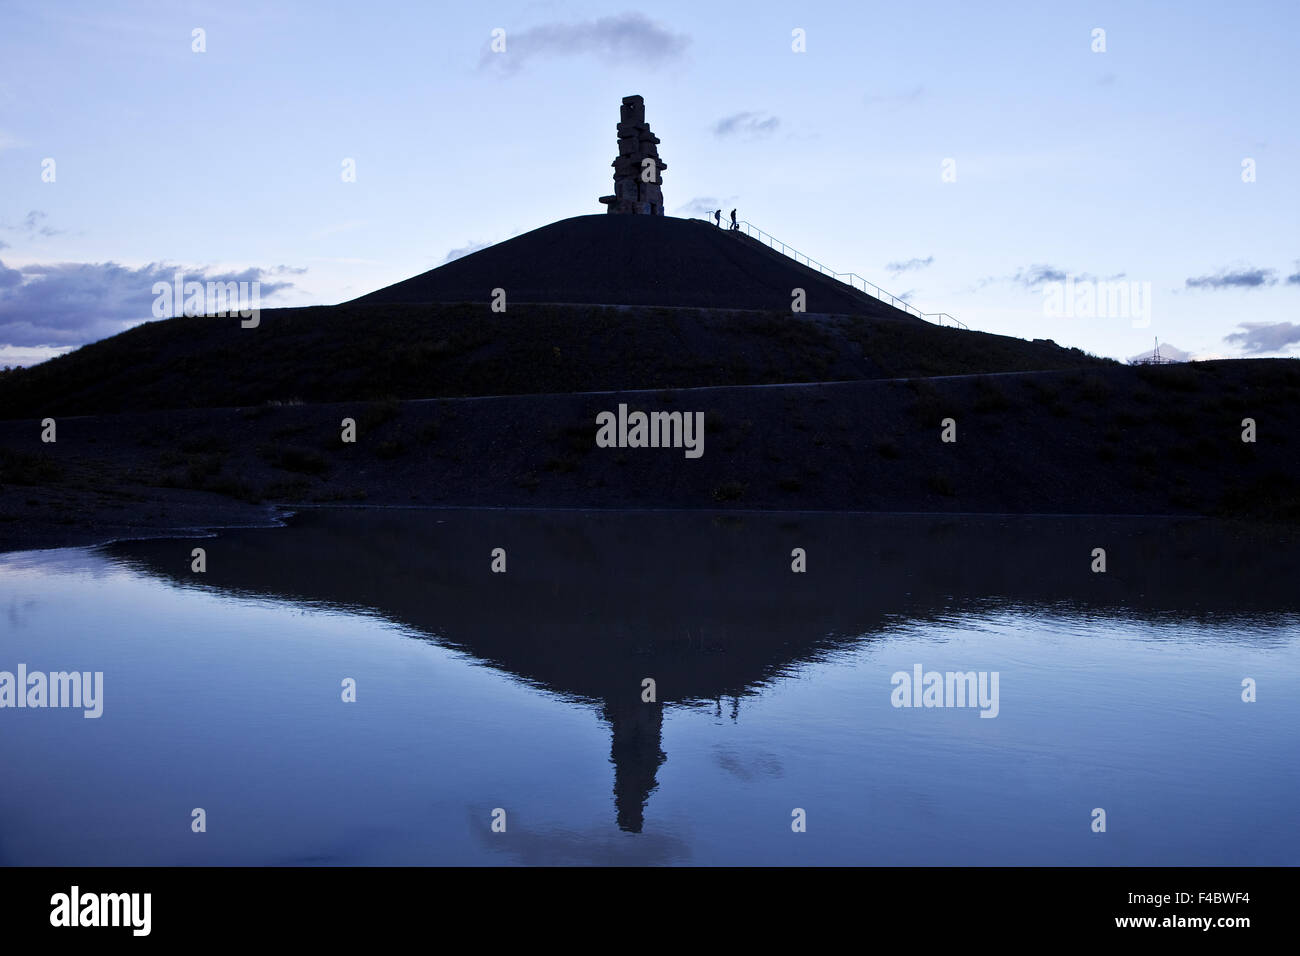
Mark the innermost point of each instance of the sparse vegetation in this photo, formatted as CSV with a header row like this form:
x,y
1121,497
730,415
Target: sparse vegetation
x,y
941,485
1178,378
376,413
294,458
28,468
563,464
1081,436
381,353
989,397
730,491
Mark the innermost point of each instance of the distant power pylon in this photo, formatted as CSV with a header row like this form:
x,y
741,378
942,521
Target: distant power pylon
x,y
1154,358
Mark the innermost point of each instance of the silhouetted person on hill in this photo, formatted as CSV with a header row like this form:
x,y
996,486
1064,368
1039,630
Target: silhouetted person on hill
x,y
717,217
734,224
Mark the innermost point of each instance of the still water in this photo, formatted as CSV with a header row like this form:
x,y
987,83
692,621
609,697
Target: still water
x,y
775,692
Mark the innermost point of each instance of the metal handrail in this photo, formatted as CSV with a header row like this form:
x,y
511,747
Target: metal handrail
x,y
848,278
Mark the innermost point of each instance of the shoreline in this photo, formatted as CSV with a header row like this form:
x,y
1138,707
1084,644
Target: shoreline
x,y
280,514
175,516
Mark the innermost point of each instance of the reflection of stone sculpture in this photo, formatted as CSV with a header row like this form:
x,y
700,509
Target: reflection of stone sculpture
x,y
637,171
636,753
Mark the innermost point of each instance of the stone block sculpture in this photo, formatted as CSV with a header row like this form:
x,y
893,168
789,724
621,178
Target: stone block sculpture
x,y
638,168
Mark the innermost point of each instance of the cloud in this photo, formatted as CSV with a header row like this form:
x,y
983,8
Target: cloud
x,y
1031,277
1264,336
895,99
71,303
544,844
906,265
628,38
11,357
1294,278
1239,279
34,224
746,124
749,766
705,206
464,250
3,244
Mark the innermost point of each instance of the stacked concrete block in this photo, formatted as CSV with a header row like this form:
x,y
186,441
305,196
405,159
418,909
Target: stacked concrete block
x,y
638,169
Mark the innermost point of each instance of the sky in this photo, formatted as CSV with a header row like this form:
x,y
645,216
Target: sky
x,y
1004,166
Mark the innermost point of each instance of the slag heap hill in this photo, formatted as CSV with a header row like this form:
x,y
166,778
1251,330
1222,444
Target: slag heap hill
x,y
634,260
635,256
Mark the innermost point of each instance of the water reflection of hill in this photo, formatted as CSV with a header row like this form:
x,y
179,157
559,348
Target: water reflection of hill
x,y
708,606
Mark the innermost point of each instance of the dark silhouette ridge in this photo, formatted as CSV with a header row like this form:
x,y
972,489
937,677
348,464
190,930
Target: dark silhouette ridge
x,y
1118,440
635,260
